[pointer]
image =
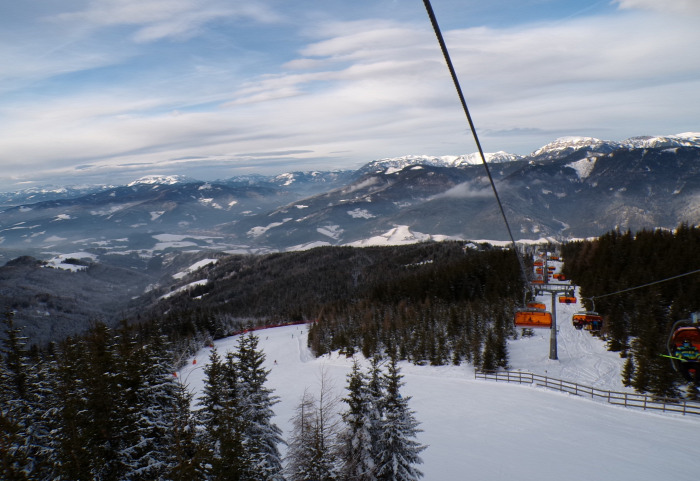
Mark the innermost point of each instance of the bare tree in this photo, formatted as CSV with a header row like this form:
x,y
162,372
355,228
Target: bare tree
x,y
313,447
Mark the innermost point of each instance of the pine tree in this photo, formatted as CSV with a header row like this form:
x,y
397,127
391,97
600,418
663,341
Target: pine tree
x,y
216,417
641,378
260,436
399,451
129,424
149,456
357,451
376,397
185,459
501,343
233,446
27,409
490,360
663,380
15,452
44,416
104,398
628,371
72,439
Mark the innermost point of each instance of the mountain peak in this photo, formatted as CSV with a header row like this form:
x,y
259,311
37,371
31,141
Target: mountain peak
x,y
395,164
564,146
686,139
161,180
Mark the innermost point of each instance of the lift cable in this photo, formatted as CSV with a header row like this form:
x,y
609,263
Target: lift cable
x,y
645,285
446,54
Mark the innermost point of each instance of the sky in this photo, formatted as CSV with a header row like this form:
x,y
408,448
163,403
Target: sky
x,y
107,91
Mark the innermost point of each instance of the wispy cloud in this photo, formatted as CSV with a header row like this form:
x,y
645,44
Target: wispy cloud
x,y
466,190
691,7
159,19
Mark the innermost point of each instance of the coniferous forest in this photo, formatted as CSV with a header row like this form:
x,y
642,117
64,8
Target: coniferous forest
x,y
437,303
638,321
109,407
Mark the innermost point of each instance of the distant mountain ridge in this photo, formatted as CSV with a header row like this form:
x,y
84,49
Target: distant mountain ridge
x,y
572,187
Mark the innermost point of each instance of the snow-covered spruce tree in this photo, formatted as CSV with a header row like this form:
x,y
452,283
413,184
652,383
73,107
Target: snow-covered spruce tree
x,y
375,391
129,426
153,411
217,418
260,436
15,443
105,402
44,415
184,462
28,408
399,452
73,418
89,421
356,450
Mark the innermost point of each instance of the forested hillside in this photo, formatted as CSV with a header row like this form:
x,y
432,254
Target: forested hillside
x,y
435,302
637,322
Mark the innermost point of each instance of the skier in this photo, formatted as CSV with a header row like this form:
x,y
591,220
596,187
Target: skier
x,y
687,351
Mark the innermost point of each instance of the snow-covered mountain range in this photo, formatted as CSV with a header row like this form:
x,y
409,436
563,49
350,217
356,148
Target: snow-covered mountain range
x,y
572,187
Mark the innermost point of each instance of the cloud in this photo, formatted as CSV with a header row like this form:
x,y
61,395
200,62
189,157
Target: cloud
x,y
465,191
353,92
276,153
159,19
690,7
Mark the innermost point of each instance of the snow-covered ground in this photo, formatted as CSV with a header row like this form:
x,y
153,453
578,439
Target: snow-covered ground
x,y
483,430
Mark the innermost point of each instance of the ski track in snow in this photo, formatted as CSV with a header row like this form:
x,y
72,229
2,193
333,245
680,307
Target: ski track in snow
x,y
582,357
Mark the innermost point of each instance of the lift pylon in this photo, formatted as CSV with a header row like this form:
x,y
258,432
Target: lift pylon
x,y
554,290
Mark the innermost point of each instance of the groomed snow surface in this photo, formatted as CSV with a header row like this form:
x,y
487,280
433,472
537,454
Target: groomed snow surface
x,y
485,430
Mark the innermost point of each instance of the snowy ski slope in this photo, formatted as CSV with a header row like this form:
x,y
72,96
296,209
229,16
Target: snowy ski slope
x,y
482,430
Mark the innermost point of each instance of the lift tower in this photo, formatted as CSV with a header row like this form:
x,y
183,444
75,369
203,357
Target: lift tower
x,y
553,289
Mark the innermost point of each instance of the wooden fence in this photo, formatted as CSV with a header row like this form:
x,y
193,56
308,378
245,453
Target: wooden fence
x,y
630,400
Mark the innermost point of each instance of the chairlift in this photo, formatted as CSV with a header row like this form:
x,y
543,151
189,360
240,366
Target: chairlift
x,y
588,320
533,318
567,300
684,348
536,305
